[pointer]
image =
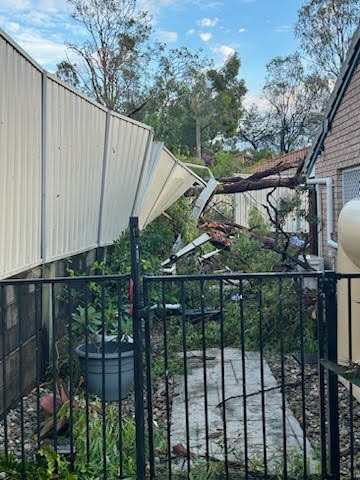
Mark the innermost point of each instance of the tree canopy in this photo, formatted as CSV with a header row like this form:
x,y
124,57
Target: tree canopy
x,y
179,93
110,65
293,103
325,29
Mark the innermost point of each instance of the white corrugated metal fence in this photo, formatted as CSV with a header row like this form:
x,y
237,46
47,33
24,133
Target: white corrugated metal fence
x,y
72,172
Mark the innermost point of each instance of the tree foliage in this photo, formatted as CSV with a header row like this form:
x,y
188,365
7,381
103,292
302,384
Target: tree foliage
x,y
110,65
178,92
325,29
194,102
292,109
296,99
227,95
254,128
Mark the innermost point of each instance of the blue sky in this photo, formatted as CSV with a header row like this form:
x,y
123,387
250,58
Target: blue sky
x,y
257,29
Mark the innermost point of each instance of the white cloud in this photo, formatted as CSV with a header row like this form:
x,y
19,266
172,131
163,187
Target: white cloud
x,y
242,30
13,27
205,36
224,50
258,99
165,36
283,28
207,22
44,51
190,32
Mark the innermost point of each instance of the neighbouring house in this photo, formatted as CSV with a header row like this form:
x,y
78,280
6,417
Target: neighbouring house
x,y
295,156
244,202
333,161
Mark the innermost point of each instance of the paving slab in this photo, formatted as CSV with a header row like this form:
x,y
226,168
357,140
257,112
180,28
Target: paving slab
x,y
255,425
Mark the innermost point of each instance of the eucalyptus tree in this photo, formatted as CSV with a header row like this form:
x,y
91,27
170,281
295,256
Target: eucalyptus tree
x,y
110,65
295,102
325,29
194,102
228,91
255,128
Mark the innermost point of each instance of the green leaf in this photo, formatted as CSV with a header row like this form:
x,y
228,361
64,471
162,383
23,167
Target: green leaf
x,y
350,373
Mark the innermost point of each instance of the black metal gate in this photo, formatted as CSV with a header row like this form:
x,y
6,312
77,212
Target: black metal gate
x,y
238,359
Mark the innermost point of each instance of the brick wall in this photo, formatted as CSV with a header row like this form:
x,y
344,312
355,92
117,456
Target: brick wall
x,y
25,311
341,150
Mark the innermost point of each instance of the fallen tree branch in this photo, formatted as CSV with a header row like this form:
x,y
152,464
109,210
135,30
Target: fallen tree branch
x,y
224,229
257,181
269,389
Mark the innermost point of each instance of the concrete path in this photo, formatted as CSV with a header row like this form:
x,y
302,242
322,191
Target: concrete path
x,y
234,412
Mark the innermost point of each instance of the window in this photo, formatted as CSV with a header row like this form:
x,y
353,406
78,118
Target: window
x,y
350,184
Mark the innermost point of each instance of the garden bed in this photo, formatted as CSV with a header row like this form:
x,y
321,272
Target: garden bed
x,y
310,391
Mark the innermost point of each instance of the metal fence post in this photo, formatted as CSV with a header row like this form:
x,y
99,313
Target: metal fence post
x,y
333,394
138,362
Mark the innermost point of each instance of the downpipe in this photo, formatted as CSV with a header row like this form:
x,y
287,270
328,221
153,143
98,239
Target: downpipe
x,y
328,182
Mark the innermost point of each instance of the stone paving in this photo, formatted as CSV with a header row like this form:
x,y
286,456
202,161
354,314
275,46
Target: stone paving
x,y
269,419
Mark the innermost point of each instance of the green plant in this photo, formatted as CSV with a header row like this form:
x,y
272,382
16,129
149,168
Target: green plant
x,y
93,422
294,465
120,444
108,322
351,372
52,467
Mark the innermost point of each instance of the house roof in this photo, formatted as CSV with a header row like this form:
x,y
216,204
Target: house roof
x,y
287,158
342,82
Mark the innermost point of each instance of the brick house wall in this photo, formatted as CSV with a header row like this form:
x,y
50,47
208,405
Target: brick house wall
x,y
341,150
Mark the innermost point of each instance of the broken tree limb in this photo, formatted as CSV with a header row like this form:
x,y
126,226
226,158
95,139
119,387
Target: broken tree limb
x,y
221,230
257,181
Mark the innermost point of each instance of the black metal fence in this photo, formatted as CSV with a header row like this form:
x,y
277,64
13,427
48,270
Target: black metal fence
x,y
238,361
228,379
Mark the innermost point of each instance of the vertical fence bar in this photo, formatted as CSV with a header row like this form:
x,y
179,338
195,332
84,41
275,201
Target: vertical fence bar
x,y
4,370
243,372
38,353
149,387
138,362
223,389
186,389
321,336
54,362
282,328
166,377
205,380
302,371
69,308
331,326
19,296
120,334
350,350
262,375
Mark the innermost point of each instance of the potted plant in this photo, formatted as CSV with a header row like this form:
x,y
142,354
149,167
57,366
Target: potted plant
x,y
107,355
